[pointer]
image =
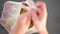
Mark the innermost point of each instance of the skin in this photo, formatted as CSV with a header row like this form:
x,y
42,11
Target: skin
x,y
22,24
39,20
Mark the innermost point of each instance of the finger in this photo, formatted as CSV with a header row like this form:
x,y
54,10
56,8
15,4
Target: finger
x,y
42,5
38,12
34,15
23,15
25,10
23,18
28,18
35,18
28,21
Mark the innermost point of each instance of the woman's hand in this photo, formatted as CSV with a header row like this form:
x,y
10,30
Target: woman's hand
x,y
39,17
22,25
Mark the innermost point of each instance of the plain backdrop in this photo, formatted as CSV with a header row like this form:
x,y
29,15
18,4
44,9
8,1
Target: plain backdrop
x,y
53,22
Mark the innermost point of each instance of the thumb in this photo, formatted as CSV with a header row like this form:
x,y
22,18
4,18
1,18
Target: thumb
x,y
23,18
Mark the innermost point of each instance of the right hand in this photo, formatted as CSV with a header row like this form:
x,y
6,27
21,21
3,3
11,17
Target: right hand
x,y
39,20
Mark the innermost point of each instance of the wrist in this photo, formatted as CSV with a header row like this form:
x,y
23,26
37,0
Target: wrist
x,y
16,31
43,31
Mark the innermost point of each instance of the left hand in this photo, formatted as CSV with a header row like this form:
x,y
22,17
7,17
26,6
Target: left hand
x,y
22,25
